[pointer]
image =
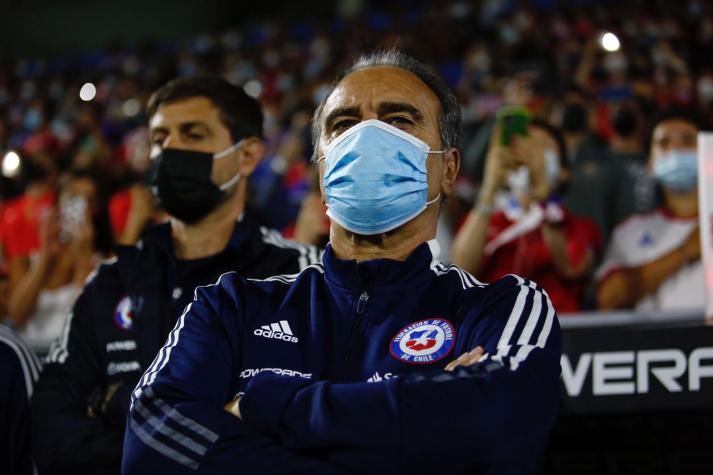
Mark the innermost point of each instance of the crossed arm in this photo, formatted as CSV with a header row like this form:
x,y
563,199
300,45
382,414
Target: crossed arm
x,y
493,412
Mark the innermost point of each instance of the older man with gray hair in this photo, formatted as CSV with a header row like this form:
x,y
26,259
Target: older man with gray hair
x,y
379,359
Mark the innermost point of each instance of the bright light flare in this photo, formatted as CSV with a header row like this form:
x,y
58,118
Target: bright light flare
x,y
87,92
11,164
609,42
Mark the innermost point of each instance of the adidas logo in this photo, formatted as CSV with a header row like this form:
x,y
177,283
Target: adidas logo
x,y
278,331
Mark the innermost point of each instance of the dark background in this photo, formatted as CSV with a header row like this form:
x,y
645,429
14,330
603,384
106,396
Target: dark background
x,y
45,27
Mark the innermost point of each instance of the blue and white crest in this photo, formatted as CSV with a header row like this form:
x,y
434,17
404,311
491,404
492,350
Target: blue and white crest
x,y
423,342
124,314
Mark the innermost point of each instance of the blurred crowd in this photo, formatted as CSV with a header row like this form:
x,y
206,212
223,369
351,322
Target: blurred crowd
x,y
73,184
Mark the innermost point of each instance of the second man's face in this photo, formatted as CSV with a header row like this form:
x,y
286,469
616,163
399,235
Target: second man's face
x,y
192,124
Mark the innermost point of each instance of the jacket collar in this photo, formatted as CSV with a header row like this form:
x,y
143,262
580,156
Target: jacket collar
x,y
378,275
138,264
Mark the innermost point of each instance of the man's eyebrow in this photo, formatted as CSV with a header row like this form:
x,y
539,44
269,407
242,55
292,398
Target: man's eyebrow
x,y
156,130
183,126
391,107
341,111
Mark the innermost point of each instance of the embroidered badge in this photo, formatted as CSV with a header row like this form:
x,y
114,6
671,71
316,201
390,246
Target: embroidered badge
x,y
423,342
124,314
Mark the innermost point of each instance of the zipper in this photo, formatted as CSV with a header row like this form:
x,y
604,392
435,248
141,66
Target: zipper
x,y
360,310
361,304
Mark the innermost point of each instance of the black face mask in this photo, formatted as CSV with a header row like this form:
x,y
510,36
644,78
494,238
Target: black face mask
x,y
180,179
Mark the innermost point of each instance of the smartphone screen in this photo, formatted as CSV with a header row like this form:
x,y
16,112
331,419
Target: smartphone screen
x,y
512,121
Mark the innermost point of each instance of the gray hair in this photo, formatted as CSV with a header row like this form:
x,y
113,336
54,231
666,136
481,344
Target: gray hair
x,y
449,117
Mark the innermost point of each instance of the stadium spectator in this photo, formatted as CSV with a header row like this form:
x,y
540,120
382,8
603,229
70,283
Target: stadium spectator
x,y
653,260
600,187
89,148
19,369
307,363
531,234
627,147
205,139
20,216
70,244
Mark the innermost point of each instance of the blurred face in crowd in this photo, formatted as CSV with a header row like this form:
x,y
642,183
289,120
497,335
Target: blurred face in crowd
x,y
80,188
673,134
673,161
398,98
541,157
193,124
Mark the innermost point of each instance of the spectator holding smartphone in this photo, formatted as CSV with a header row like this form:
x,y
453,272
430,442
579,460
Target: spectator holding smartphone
x,y
531,233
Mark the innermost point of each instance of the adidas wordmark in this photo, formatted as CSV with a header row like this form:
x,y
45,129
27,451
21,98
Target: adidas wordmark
x,y
278,331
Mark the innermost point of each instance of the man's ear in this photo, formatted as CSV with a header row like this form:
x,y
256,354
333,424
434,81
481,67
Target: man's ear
x,y
250,154
451,166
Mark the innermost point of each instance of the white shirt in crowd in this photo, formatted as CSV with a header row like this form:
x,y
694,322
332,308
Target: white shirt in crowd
x,y
643,238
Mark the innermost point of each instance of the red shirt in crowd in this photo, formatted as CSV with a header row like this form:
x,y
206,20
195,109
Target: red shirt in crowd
x,y
19,222
516,246
119,208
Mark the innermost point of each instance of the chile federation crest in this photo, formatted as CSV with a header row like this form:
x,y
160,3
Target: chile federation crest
x,y
423,342
124,314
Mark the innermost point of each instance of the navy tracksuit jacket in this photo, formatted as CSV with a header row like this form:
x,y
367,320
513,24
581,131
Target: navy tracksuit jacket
x,y
340,369
19,370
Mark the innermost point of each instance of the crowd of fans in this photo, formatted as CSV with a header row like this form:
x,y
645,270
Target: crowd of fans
x,y
78,186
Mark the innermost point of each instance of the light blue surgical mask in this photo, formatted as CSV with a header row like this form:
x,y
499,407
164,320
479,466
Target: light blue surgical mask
x,y
375,178
677,170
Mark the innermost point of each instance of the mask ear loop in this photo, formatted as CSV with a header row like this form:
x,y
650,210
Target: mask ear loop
x,y
229,150
438,196
224,153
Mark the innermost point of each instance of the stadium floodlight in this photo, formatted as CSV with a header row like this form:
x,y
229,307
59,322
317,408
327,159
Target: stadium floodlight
x,y
87,92
11,164
609,42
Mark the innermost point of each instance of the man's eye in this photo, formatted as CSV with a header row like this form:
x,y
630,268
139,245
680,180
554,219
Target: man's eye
x,y
343,125
399,121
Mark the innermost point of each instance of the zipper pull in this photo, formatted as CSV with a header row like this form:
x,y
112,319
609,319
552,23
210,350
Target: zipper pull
x,y
361,304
